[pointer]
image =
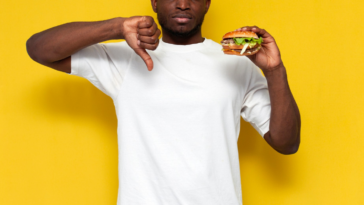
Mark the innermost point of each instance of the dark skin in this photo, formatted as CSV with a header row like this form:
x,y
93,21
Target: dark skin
x,y
181,22
168,13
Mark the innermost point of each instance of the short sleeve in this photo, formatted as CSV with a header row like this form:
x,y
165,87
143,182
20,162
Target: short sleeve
x,y
103,64
256,107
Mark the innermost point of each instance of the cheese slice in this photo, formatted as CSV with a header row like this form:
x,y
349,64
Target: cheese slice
x,y
244,48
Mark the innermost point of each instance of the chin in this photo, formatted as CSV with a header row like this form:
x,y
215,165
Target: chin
x,y
182,30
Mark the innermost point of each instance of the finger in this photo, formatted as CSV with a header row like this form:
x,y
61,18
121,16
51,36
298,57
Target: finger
x,y
248,28
146,22
150,39
259,31
262,32
146,57
255,29
149,46
148,31
245,28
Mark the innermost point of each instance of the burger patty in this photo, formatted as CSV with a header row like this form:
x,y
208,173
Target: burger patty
x,y
227,41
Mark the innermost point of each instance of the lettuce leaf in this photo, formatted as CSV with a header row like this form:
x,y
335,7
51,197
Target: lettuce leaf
x,y
242,41
239,41
252,44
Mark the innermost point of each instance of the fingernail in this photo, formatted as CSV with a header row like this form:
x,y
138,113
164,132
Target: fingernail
x,y
138,42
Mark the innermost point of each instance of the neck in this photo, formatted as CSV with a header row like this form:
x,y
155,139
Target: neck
x,y
181,40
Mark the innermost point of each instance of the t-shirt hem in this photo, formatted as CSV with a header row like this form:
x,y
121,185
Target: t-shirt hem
x,y
263,129
74,64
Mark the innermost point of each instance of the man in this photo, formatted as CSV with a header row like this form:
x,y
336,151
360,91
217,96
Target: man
x,y
178,125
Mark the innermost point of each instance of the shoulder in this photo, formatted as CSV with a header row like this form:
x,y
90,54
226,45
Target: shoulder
x,y
118,52
106,49
117,47
211,44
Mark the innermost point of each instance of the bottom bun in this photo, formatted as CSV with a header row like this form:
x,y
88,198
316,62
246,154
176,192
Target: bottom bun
x,y
232,52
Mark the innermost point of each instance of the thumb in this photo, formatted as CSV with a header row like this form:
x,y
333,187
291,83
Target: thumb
x,y
146,57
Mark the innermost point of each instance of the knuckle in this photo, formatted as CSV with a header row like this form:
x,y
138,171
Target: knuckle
x,y
150,20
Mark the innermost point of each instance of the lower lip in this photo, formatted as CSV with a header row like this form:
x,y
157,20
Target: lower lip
x,y
182,20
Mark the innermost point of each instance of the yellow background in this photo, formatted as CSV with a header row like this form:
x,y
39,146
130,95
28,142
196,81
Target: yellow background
x,y
58,140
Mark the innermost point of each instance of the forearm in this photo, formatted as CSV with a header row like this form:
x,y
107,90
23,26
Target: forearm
x,y
285,123
64,40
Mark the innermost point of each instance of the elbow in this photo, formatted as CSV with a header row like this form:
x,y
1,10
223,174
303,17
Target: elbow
x,y
292,147
288,150
286,147
32,50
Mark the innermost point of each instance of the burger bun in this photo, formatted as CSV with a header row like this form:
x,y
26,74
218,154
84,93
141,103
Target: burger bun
x,y
232,52
240,34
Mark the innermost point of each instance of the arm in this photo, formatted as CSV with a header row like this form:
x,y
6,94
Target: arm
x,y
54,47
285,122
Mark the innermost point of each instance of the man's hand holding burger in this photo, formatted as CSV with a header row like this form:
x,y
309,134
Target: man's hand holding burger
x,y
261,48
141,33
269,57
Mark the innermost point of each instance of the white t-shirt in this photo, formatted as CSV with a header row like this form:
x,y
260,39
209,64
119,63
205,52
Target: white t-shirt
x,y
178,125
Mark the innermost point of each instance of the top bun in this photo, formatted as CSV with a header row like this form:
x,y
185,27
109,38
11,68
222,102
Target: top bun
x,y
238,34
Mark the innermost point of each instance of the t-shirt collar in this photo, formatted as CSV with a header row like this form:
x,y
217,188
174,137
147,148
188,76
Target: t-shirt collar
x,y
181,48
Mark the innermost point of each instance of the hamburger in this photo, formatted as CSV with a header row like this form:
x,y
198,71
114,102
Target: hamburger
x,y
241,43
